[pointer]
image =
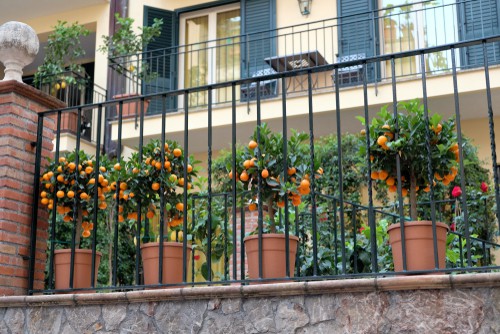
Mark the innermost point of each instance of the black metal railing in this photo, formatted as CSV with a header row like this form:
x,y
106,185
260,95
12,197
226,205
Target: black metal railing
x,y
389,30
214,216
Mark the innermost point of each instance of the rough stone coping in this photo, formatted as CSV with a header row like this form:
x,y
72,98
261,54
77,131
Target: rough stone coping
x,y
365,285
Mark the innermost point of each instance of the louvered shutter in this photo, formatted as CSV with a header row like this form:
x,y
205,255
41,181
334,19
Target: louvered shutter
x,y
161,57
357,35
479,18
258,42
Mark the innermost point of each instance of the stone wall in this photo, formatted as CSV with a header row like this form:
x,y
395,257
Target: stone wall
x,y
419,304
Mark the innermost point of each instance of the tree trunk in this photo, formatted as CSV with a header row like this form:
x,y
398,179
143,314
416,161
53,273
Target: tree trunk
x,y
413,196
78,227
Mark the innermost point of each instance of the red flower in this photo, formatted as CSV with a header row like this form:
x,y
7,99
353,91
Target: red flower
x,y
361,229
196,257
453,227
456,191
484,187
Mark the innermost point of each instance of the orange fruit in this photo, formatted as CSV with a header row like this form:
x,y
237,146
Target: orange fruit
x,y
172,178
102,169
177,152
70,194
382,175
148,161
117,167
62,159
103,205
150,214
60,178
404,192
382,140
179,206
427,189
72,165
390,181
291,171
281,204
60,194
181,182
189,168
265,174
437,176
155,186
89,170
246,164
84,196
393,189
386,126
252,144
135,170
374,175
86,233
252,207
123,186
45,201
244,176
362,132
91,181
158,165
43,194
166,146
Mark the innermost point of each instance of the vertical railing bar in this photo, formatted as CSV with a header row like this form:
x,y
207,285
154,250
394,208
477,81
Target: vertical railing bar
x,y
162,191
226,258
234,180
185,194
313,178
242,237
297,233
285,177
371,220
75,211
117,202
54,207
139,203
398,162
260,220
460,149
429,161
354,240
210,136
96,185
340,181
335,238
34,209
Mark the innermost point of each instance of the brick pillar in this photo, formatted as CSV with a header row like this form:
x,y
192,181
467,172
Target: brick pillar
x,y
19,105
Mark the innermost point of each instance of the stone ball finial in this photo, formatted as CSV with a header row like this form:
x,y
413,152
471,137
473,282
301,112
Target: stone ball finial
x,y
18,47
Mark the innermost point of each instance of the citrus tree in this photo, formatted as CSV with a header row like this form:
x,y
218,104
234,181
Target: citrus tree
x,y
69,185
409,141
139,181
262,160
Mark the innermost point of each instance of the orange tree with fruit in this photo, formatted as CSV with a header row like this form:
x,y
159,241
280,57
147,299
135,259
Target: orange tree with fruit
x,y
68,187
410,143
140,180
263,159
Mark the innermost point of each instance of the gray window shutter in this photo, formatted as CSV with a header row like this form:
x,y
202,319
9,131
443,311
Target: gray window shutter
x,y
479,18
357,35
258,42
259,19
161,57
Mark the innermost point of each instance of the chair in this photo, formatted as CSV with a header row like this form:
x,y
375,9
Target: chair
x,y
351,75
268,88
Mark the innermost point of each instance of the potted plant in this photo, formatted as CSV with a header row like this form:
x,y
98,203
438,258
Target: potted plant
x,y
139,182
124,50
409,141
60,74
69,185
262,161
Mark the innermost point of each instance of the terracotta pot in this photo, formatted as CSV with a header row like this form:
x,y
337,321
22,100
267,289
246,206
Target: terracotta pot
x,y
419,245
273,255
172,262
130,109
82,269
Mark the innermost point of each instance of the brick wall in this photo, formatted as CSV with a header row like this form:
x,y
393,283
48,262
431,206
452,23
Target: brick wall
x,y
19,105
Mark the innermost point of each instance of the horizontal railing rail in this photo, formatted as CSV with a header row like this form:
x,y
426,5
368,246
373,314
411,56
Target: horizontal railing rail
x,y
124,203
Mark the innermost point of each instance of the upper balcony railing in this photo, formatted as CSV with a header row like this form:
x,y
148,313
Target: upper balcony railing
x,y
75,91
384,31
120,207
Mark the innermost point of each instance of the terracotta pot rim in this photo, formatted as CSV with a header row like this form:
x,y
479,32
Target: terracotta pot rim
x,y
165,243
77,250
418,223
271,236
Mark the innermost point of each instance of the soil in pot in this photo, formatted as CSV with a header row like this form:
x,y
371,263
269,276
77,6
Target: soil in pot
x,y
82,270
273,257
172,262
419,245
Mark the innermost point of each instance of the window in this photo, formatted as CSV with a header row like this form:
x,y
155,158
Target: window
x,y
211,51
